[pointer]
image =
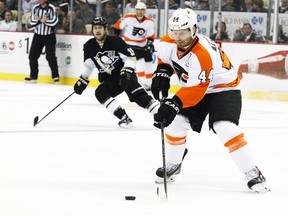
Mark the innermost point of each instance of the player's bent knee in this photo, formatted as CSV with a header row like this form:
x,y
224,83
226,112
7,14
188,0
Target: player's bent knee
x,y
102,94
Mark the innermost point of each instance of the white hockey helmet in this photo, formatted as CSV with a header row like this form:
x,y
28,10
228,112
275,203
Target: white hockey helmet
x,y
183,19
140,5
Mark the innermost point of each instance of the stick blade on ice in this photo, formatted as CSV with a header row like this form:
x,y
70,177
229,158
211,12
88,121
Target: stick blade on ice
x,y
161,192
35,121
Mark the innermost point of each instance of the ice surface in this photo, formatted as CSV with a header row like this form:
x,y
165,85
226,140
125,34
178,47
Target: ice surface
x,y
77,161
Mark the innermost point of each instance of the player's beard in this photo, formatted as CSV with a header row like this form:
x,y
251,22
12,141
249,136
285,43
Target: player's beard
x,y
183,44
100,38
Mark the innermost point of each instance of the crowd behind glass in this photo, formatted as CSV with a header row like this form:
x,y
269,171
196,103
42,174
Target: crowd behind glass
x,y
85,10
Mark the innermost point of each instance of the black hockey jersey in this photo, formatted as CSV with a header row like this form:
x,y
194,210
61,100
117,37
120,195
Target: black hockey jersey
x,y
110,58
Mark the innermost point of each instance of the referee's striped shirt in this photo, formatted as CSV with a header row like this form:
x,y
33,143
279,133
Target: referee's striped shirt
x,y
49,11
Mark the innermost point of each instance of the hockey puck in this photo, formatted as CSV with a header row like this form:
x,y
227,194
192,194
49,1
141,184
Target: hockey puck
x,y
130,197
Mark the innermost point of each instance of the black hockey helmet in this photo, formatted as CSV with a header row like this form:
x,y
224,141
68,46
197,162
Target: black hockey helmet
x,y
99,21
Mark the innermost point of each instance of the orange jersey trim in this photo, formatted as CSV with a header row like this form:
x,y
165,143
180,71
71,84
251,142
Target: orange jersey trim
x,y
143,40
231,84
190,96
167,38
117,24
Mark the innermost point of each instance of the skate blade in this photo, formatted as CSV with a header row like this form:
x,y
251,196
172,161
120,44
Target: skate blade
x,y
160,180
126,126
260,188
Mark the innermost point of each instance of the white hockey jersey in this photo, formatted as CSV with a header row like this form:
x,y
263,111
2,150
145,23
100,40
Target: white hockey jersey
x,y
136,32
202,69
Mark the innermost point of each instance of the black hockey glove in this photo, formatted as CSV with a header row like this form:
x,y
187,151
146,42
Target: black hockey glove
x,y
167,112
127,74
160,82
81,85
149,46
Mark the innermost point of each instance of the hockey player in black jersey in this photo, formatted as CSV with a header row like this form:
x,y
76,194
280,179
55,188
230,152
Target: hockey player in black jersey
x,y
115,62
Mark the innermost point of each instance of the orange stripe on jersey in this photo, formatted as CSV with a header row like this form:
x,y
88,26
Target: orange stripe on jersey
x,y
130,15
148,18
190,96
175,140
159,61
236,143
151,36
231,84
117,24
128,39
167,38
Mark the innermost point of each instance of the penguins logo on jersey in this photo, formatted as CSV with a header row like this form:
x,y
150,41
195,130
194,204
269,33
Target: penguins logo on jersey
x,y
106,61
137,30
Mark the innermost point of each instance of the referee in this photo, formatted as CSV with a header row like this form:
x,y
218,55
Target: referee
x,y
43,18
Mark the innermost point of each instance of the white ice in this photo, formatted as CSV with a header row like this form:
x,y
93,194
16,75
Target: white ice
x,y
77,161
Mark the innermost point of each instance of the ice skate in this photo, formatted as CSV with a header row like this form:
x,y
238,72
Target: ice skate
x,y
256,181
30,80
171,170
56,80
125,122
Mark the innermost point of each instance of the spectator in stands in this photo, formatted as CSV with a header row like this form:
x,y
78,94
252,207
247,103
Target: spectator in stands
x,y
151,4
246,34
247,6
111,16
85,13
173,4
223,34
130,7
78,26
8,24
56,2
282,38
201,5
229,6
258,6
3,9
65,6
237,4
61,16
12,4
27,5
284,6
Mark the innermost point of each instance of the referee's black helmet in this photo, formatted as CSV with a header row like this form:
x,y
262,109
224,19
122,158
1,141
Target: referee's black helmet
x,y
99,21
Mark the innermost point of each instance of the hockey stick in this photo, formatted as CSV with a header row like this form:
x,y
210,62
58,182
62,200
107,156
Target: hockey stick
x,y
163,194
37,118
140,48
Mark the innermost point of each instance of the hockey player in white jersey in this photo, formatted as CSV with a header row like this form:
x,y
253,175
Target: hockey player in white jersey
x,y
115,62
209,87
138,32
